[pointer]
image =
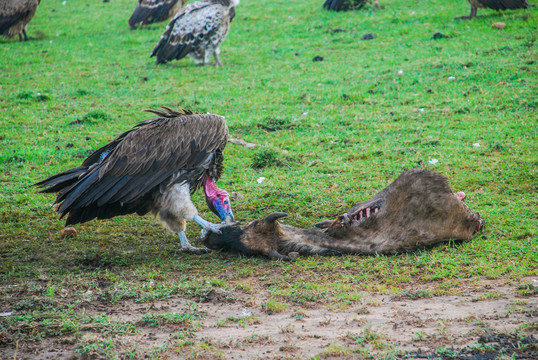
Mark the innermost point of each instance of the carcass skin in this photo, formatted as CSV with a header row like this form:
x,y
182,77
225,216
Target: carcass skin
x,y
418,210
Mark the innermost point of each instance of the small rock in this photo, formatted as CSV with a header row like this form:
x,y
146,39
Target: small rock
x,y
317,58
70,145
439,35
68,232
498,25
369,36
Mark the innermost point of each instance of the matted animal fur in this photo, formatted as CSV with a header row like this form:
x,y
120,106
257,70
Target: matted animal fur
x,y
417,210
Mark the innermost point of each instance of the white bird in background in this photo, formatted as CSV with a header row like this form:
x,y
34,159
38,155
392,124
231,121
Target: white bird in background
x,y
197,30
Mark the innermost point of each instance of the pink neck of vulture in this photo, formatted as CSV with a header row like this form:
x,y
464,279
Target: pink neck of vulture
x,y
211,190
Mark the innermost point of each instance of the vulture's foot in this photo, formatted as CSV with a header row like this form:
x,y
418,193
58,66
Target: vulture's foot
x,y
207,226
186,246
466,17
194,250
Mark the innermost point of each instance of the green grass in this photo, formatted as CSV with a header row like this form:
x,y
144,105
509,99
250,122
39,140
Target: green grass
x,y
329,134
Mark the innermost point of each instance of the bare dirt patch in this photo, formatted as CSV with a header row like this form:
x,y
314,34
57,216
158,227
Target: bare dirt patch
x,y
478,323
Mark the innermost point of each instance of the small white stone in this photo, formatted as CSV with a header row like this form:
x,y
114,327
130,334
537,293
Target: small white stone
x,y
421,110
246,313
305,113
6,314
260,180
65,2
450,78
433,161
476,145
400,72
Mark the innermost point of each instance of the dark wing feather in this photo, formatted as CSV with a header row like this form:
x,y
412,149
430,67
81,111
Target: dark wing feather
x,y
143,163
192,26
150,11
505,4
343,5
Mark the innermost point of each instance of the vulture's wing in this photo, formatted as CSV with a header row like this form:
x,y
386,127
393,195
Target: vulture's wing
x,y
152,156
191,26
505,4
13,11
149,11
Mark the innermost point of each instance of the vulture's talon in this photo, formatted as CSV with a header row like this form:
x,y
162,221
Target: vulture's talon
x,y
194,250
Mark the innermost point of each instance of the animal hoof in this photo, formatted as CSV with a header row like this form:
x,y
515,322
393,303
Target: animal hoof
x,y
293,255
195,250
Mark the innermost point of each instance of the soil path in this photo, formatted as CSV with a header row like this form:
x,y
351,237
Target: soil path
x,y
376,325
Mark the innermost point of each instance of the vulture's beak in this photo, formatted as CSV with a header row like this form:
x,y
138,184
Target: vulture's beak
x,y
222,208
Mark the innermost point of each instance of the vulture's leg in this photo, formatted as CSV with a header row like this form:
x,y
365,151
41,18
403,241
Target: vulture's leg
x,y
207,57
186,245
217,61
472,14
209,226
25,36
216,56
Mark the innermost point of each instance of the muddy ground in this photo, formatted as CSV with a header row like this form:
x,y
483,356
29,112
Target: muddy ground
x,y
492,321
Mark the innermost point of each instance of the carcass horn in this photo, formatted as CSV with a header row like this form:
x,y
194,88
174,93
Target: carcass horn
x,y
271,218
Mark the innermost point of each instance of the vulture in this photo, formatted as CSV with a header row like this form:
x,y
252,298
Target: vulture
x,y
495,5
152,168
151,11
196,30
15,15
345,5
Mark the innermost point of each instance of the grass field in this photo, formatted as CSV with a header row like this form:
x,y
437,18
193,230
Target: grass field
x,y
330,134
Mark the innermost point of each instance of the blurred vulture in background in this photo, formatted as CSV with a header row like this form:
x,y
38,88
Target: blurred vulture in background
x,y
15,15
196,30
345,5
152,11
152,168
495,5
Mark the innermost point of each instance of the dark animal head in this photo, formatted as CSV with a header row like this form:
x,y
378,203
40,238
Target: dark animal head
x,y
258,237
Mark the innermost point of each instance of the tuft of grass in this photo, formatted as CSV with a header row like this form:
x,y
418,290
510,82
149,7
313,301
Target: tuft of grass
x,y
273,306
265,157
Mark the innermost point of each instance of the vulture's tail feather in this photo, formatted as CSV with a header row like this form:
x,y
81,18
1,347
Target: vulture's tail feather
x,y
61,181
